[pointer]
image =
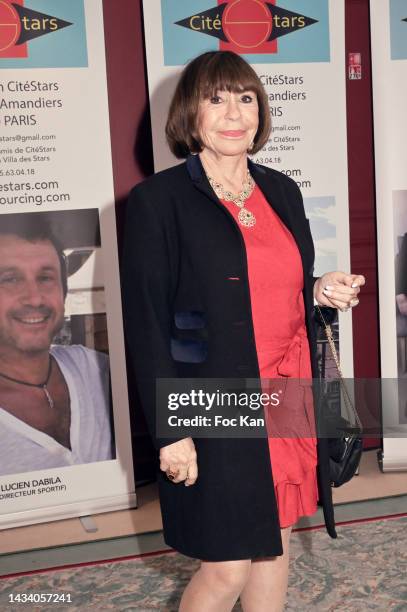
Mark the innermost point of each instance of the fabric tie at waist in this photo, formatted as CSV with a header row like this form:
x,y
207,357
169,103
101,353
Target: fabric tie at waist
x,y
295,362
294,417
291,427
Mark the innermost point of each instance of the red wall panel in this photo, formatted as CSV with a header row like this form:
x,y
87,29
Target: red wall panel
x,y
362,199
132,157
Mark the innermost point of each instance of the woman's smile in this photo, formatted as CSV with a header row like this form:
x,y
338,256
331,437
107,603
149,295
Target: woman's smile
x,y
233,133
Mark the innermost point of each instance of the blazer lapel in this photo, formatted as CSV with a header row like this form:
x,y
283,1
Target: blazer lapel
x,y
273,192
199,178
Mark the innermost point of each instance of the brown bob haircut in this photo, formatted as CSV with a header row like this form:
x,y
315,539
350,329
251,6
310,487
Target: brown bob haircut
x,y
202,78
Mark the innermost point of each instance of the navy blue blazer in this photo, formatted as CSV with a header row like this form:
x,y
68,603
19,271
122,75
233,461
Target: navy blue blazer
x,y
184,318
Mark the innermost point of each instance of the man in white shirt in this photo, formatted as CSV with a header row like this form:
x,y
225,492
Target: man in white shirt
x,y
54,401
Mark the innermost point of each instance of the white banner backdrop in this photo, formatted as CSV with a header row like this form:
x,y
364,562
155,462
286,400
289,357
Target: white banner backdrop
x,y
297,47
65,447
389,65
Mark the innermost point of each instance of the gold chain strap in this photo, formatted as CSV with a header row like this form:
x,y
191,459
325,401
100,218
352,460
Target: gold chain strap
x,y
348,402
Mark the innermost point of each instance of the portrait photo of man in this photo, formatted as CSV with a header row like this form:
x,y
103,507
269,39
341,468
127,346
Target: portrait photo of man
x,y
55,407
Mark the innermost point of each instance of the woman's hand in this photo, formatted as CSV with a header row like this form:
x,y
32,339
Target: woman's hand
x,y
338,290
180,458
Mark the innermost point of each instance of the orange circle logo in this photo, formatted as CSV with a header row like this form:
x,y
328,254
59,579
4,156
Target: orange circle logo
x,y
10,25
247,23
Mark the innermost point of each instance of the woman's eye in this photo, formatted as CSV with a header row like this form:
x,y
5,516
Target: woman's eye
x,y
215,99
247,98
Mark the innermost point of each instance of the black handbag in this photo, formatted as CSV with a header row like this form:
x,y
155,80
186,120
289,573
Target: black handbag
x,y
345,449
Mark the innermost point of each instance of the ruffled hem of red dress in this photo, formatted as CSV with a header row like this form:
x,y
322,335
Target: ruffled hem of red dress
x,y
295,500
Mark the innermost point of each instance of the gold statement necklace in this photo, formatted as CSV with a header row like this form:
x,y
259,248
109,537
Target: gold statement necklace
x,y
245,216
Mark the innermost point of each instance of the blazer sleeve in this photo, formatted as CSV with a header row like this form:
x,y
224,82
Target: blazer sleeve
x,y
147,288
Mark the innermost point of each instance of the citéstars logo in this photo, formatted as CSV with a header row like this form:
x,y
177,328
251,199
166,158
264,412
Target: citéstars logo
x,y
43,34
247,26
20,24
264,30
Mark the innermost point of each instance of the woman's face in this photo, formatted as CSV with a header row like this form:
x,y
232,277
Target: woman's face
x,y
228,122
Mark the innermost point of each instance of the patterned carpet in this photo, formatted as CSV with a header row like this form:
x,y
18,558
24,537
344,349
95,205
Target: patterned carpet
x,y
364,569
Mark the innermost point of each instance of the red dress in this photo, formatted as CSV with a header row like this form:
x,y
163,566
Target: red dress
x,y
276,282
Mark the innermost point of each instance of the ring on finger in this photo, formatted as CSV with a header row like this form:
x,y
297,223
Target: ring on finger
x,y
354,302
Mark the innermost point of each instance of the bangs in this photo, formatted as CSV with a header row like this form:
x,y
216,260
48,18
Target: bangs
x,y
233,75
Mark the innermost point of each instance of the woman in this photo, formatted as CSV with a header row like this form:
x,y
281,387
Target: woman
x,y
220,286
